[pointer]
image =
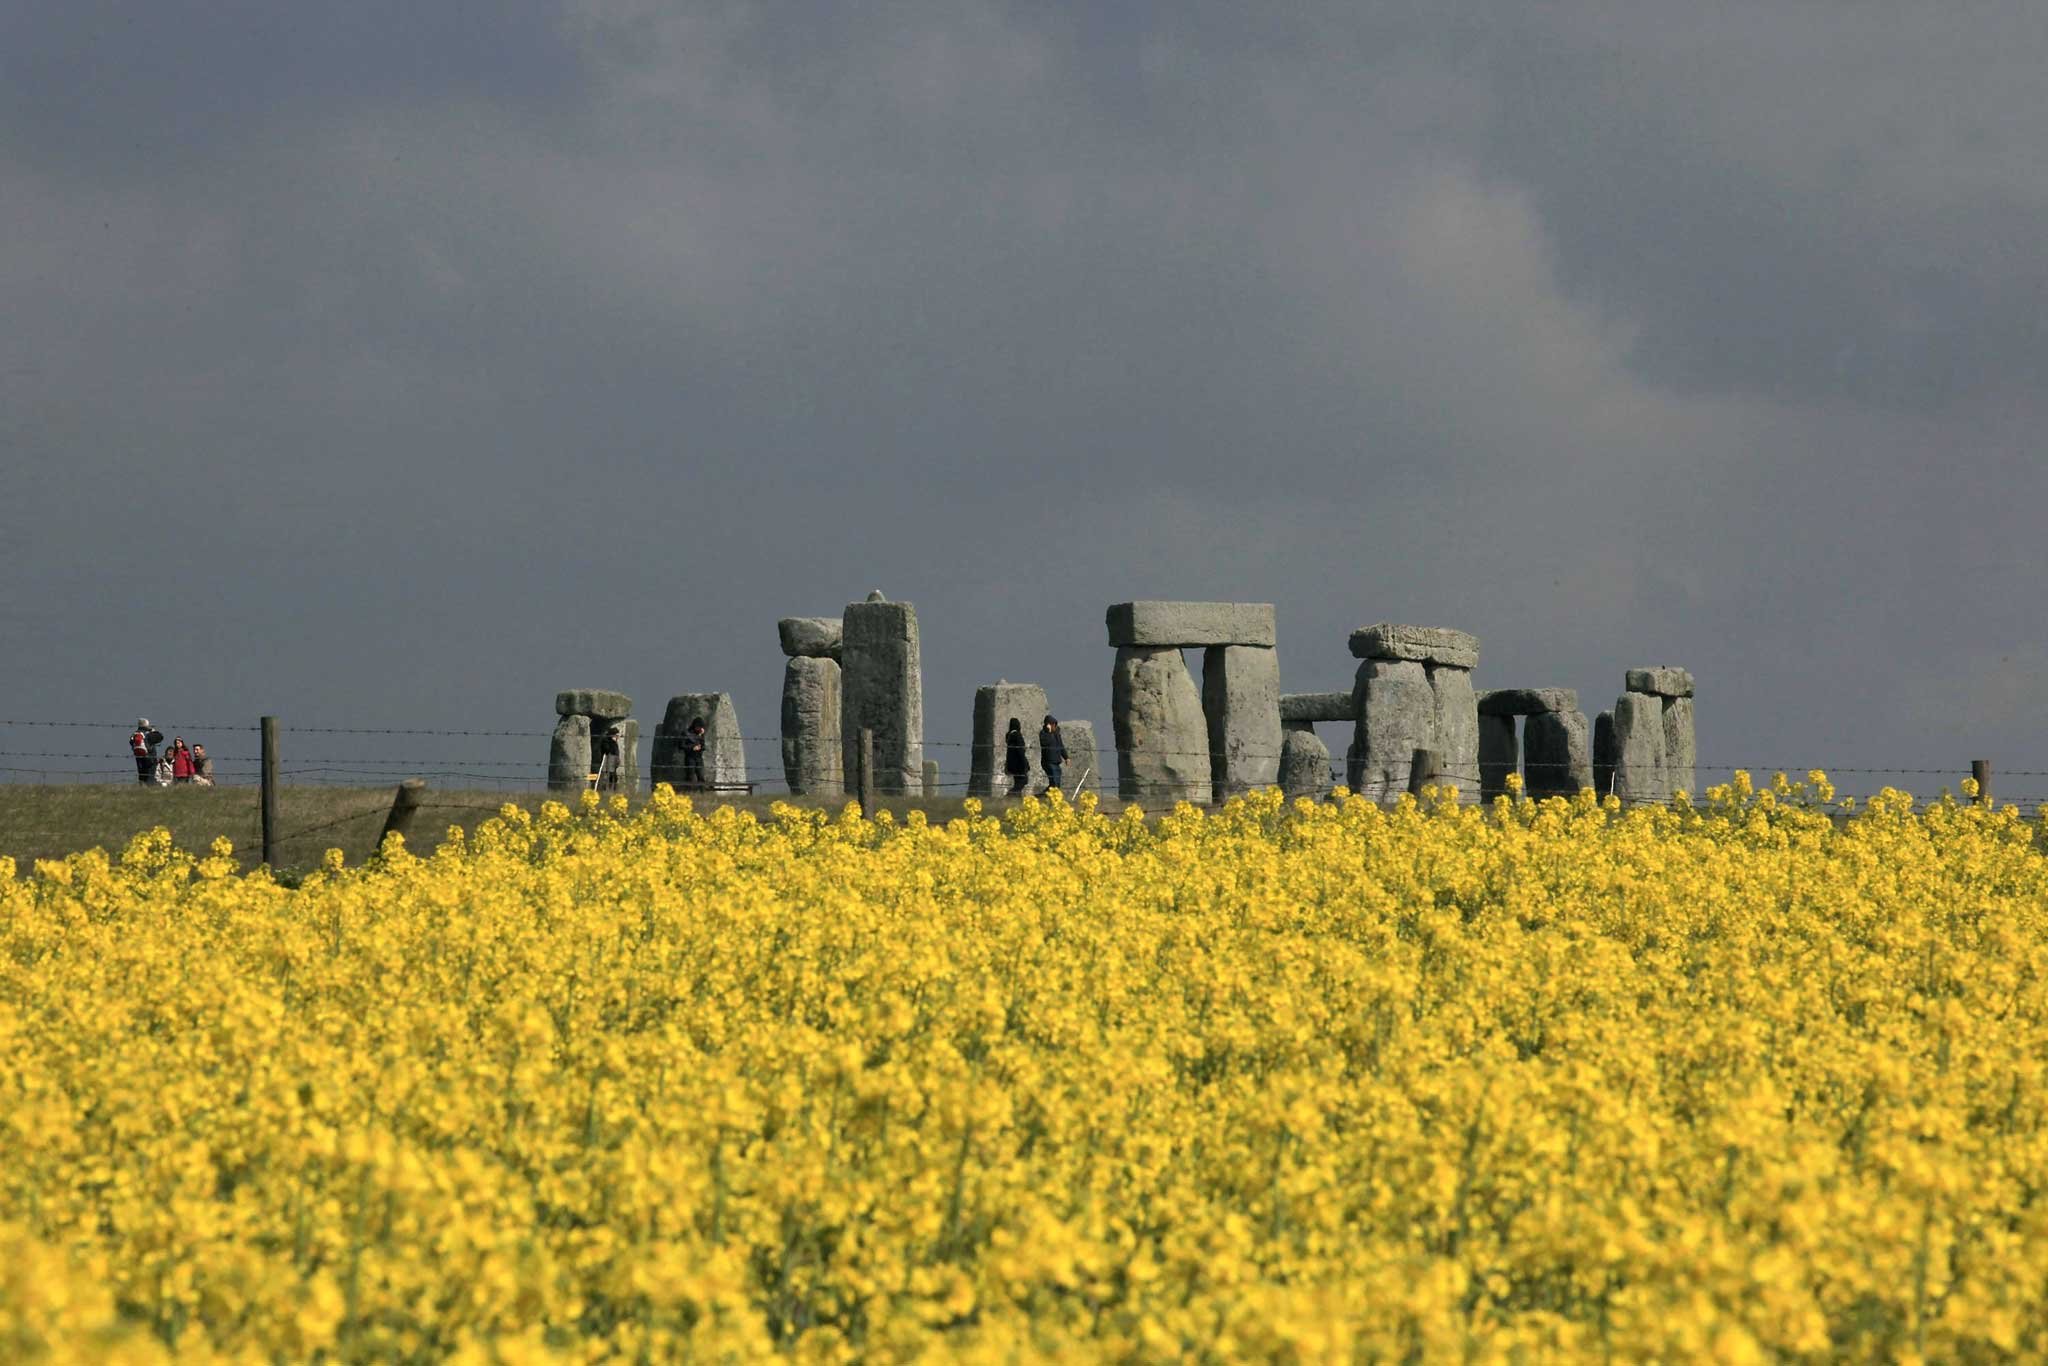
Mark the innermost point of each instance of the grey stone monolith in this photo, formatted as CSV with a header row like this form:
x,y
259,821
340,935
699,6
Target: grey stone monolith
x,y
1083,772
1557,754
1190,624
569,754
1603,753
1307,708
882,690
1304,765
810,637
995,706
1162,737
1424,644
1457,727
1500,754
1639,775
1660,680
599,704
1396,717
1241,702
811,749
725,752
1681,747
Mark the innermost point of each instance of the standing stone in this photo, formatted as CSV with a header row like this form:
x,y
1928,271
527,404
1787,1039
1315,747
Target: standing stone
x,y
1396,717
1457,726
1083,772
882,690
1681,747
725,753
811,752
931,779
1603,753
1557,759
995,705
1499,755
1241,701
1639,775
569,755
1304,765
1162,737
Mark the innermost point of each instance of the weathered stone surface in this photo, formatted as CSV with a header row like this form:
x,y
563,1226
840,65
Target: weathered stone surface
x,y
1288,728
1603,753
1304,765
725,754
1639,775
1162,737
1457,728
1426,644
1084,759
1500,754
1663,680
1189,624
995,704
811,753
1396,717
569,754
1241,700
882,689
1527,701
600,704
810,637
1681,748
1317,706
1557,754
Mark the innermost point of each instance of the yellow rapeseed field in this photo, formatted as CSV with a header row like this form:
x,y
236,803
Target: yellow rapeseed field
x,y
1755,1078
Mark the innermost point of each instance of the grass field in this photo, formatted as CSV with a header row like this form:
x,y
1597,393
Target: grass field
x,y
47,822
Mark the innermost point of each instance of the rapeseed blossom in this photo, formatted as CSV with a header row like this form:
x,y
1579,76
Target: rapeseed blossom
x,y
1294,1081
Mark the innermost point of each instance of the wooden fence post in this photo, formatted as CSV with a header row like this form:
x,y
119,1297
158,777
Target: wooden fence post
x,y
403,803
1421,771
269,798
864,772
1980,769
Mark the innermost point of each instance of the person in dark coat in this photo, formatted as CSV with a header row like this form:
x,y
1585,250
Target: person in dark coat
x,y
693,754
142,744
1016,762
1052,752
608,760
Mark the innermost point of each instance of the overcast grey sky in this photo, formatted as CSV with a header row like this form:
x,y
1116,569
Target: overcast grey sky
x,y
396,364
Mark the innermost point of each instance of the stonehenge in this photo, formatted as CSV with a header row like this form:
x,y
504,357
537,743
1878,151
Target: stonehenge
x,y
1304,765
725,754
1652,747
582,714
1173,742
1301,710
1084,760
882,690
1414,691
812,746
1553,752
995,706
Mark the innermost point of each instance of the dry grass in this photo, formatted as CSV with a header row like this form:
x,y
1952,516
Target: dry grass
x,y
38,822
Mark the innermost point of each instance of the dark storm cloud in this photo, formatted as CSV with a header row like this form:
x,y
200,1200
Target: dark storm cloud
x,y
418,361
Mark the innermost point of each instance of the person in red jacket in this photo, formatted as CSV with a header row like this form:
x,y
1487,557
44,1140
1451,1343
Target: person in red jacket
x,y
182,768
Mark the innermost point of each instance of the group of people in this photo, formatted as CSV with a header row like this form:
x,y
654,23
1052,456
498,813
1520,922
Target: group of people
x,y
608,758
1052,755
181,763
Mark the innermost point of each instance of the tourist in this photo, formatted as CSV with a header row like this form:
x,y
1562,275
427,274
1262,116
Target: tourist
x,y
608,760
202,766
1052,752
1016,762
181,761
143,745
693,754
